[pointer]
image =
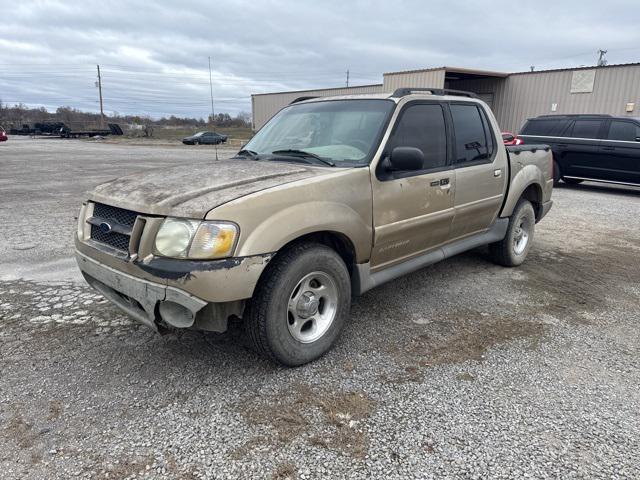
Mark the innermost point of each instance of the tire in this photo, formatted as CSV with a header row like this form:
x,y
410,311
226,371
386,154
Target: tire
x,y
572,181
556,173
280,319
512,250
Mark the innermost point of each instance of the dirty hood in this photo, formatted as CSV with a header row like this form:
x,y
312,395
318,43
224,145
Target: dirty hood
x,y
193,190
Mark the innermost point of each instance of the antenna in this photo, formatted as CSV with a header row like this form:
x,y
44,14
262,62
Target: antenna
x,y
602,61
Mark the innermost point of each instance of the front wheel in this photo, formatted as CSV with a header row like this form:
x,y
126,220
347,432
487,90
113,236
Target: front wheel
x,y
512,250
300,304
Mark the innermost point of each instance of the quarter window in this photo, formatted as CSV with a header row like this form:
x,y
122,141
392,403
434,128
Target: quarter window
x,y
422,126
471,134
586,128
626,131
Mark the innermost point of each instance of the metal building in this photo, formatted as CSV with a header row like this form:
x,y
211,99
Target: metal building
x,y
514,97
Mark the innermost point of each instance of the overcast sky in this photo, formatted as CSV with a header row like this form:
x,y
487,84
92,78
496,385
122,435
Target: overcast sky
x,y
153,55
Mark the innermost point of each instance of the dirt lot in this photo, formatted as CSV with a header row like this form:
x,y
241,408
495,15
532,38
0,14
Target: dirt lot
x,y
462,370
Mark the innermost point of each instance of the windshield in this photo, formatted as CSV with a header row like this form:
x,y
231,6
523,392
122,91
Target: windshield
x,y
341,131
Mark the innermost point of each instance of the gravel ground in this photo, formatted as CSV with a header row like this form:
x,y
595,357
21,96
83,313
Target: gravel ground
x,y
462,370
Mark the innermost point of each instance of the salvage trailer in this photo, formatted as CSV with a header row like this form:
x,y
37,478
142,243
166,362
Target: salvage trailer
x,y
59,129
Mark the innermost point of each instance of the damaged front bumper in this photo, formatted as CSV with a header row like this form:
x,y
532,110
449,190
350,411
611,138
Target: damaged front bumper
x,y
137,297
172,293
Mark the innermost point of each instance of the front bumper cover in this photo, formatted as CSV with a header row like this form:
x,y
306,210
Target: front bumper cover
x,y
135,296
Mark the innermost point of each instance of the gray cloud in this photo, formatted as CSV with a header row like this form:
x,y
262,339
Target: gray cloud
x,y
154,55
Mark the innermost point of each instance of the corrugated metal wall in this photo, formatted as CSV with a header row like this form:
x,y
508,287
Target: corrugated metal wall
x,y
265,106
513,99
523,96
418,78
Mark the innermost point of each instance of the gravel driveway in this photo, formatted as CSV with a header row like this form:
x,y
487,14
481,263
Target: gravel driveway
x,y
462,370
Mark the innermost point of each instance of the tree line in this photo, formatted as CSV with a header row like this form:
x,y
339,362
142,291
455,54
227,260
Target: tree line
x,y
19,114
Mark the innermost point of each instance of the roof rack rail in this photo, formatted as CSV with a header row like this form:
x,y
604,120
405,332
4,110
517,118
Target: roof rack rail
x,y
302,99
402,92
572,115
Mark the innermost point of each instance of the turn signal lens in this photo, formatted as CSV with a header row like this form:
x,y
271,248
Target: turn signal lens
x,y
213,240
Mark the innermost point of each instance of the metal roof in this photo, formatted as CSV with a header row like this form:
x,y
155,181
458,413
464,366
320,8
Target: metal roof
x,y
470,71
590,67
317,89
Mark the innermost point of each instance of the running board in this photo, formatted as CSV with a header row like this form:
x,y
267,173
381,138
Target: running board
x,y
363,280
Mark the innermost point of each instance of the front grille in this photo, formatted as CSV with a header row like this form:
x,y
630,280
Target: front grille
x,y
114,214
113,239
119,218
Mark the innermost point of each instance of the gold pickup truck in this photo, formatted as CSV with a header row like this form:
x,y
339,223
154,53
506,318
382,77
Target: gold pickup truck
x,y
332,197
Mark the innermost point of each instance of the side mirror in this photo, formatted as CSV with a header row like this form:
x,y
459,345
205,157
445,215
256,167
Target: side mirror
x,y
406,159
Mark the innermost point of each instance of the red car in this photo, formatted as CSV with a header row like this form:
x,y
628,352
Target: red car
x,y
509,138
3,135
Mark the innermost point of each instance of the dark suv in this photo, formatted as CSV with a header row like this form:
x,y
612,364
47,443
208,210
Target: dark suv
x,y
603,148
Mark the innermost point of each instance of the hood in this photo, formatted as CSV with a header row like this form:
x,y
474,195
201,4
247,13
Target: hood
x,y
192,190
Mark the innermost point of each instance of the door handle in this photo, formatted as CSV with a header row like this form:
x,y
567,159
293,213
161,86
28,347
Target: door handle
x,y
608,149
497,173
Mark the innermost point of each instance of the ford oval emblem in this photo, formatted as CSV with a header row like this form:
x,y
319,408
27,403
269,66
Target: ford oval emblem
x,y
105,227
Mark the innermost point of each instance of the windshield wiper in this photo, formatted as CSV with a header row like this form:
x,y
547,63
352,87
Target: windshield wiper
x,y
247,153
301,153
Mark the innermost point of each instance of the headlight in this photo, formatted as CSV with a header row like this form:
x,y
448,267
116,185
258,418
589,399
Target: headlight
x,y
180,238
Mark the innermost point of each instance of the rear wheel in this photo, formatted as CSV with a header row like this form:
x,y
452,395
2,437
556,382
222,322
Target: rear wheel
x,y
300,304
512,250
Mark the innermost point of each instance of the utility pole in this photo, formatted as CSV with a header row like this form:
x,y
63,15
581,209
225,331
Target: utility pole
x,y
601,60
347,78
100,93
213,115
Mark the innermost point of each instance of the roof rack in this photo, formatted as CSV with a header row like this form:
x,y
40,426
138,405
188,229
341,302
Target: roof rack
x,y
302,99
573,115
402,92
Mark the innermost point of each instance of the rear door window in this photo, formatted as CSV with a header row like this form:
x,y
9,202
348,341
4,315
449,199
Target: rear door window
x,y
423,126
625,131
586,128
470,129
548,127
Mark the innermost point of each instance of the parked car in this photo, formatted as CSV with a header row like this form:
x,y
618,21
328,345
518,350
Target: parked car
x,y
205,138
603,148
3,135
510,139
333,197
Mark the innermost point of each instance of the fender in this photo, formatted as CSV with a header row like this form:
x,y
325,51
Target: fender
x,y
339,201
277,230
522,178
